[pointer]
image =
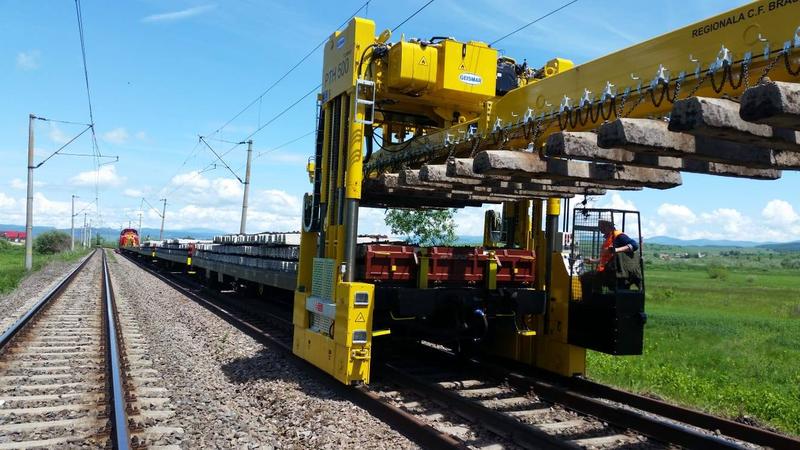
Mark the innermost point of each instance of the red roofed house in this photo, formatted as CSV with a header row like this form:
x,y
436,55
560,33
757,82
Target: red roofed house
x,y
13,236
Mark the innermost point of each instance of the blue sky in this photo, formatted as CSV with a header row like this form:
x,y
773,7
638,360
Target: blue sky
x,y
162,72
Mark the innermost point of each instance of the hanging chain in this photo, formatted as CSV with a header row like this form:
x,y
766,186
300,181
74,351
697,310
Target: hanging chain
x,y
642,96
769,67
678,85
746,75
699,84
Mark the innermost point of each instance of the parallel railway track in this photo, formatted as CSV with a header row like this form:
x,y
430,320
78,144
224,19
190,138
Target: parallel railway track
x,y
526,410
61,368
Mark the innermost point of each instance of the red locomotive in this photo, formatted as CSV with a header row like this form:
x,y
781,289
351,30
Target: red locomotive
x,y
129,237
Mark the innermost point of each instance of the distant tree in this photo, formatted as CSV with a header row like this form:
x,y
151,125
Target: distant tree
x,y
423,227
51,242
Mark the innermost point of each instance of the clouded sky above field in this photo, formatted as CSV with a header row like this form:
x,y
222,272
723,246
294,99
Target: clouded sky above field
x,y
162,72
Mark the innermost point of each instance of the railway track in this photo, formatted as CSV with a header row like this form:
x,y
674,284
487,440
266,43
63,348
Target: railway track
x,y
442,401
61,374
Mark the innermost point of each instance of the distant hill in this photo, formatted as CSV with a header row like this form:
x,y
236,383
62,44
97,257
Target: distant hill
x,y
113,233
784,247
666,240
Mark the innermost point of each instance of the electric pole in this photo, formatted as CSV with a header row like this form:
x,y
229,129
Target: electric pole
x,y
163,214
140,221
246,186
29,205
90,233
83,234
72,225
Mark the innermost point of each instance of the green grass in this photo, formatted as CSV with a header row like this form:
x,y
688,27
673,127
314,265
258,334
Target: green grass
x,y
12,263
726,344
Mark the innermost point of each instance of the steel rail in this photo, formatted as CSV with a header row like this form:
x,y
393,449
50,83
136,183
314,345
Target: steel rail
x,y
745,432
589,389
120,434
405,423
580,395
53,293
501,424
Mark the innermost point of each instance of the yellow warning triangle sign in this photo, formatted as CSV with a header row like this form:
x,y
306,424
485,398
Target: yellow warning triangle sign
x,y
423,61
360,317
462,67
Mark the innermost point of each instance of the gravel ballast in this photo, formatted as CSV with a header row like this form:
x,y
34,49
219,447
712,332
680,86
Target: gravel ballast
x,y
17,302
229,391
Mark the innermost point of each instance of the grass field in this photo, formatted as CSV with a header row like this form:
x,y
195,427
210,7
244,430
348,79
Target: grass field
x,y
12,263
722,340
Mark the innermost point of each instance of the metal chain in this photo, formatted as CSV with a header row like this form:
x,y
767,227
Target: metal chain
x,y
678,85
642,96
769,67
621,108
698,85
746,75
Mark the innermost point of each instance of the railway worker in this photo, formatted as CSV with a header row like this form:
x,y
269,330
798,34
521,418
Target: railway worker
x,y
613,272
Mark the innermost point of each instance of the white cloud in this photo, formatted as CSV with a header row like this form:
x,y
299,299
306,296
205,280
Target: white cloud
x,y
178,15
193,179
732,223
269,210
133,193
779,212
228,188
617,202
104,176
6,201
676,213
142,136
28,60
116,136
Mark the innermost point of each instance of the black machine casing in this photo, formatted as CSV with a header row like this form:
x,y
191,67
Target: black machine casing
x,y
610,323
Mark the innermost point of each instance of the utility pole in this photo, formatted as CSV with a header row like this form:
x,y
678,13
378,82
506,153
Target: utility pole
x,y
163,213
72,224
246,186
29,205
83,235
90,233
140,222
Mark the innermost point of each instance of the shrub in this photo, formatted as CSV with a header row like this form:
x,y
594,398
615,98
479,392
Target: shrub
x,y
716,272
51,242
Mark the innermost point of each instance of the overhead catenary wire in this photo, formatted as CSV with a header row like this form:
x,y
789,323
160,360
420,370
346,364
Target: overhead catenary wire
x,y
258,100
287,73
151,207
95,146
219,158
278,147
282,112
63,146
412,15
534,21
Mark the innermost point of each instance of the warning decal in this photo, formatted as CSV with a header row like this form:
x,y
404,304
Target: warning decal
x,y
360,317
423,61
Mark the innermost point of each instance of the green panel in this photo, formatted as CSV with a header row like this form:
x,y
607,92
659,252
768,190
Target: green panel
x,y
323,277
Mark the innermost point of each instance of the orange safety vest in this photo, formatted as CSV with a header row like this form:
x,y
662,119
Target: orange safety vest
x,y
605,257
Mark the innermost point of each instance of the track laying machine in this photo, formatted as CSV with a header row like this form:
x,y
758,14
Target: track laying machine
x,y
440,123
